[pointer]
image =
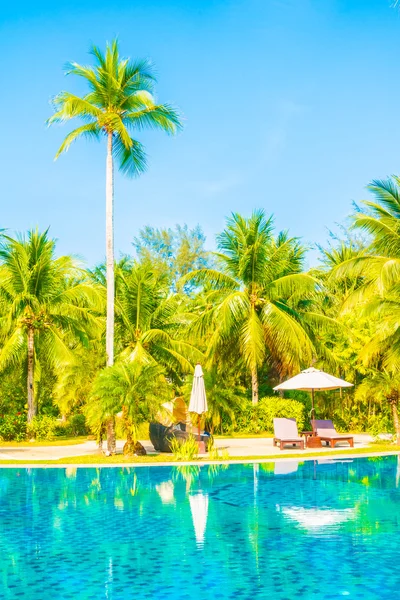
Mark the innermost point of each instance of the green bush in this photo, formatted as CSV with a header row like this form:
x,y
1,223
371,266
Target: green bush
x,y
256,419
13,427
355,421
73,427
188,450
42,427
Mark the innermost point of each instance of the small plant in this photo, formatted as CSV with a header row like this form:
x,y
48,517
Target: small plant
x,y
13,427
42,427
215,453
188,450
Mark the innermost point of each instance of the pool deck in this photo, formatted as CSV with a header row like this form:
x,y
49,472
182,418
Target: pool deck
x,y
235,447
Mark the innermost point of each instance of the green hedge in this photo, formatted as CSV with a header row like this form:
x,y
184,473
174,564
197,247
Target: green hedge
x,y
255,419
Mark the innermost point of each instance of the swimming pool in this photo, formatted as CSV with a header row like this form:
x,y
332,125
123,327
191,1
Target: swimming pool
x,y
285,531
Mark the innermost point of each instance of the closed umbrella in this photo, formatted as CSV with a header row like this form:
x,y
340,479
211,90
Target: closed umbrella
x,y
311,380
198,399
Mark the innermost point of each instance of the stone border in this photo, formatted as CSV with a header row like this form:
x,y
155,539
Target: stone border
x,y
249,461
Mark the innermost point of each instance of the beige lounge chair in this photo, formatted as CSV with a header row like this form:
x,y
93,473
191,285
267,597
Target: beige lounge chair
x,y
326,431
285,433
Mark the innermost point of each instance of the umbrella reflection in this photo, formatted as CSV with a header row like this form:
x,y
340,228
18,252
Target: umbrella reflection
x,y
166,492
199,509
314,519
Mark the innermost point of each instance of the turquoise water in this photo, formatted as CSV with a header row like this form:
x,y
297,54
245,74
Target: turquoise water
x,y
314,530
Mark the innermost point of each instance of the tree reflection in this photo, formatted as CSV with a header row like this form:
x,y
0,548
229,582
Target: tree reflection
x,y
109,527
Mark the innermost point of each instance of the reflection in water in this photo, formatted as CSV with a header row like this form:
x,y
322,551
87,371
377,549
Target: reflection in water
x,y
199,509
165,490
318,518
286,467
176,533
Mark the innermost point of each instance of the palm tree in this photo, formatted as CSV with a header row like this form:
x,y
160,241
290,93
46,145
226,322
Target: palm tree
x,y
135,389
120,100
254,300
46,306
378,272
151,321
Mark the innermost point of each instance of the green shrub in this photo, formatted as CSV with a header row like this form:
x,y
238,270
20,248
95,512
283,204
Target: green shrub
x,y
188,450
259,418
42,427
77,424
73,427
13,427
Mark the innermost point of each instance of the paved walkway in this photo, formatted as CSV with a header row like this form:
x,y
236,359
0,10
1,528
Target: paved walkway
x,y
234,447
264,446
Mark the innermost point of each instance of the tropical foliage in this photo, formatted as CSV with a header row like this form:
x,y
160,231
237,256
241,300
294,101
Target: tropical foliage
x,y
47,308
120,101
81,349
257,300
250,313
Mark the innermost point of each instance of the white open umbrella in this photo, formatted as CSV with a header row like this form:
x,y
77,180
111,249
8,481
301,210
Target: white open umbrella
x,y
311,380
198,399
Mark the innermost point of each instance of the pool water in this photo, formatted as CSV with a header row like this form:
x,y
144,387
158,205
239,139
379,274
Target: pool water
x,y
318,530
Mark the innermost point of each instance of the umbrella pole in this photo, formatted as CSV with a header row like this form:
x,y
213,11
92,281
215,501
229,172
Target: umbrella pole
x,y
312,411
200,443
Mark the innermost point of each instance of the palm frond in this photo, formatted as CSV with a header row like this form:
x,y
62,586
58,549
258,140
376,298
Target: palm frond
x,y
90,131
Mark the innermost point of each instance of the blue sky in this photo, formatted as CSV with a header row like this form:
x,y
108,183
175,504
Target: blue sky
x,y
289,105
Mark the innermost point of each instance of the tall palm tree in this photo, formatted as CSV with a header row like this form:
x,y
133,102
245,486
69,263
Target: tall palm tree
x,y
120,100
254,300
46,306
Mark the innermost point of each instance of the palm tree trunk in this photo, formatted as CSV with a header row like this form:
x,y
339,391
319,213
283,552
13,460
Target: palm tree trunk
x,y
110,253
110,276
31,391
254,387
396,422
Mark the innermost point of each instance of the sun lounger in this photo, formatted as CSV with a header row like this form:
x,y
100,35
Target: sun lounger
x,y
327,433
285,432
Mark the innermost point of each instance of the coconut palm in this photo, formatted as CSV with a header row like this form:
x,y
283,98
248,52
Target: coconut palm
x,y
46,306
378,271
380,219
150,320
255,300
120,100
134,389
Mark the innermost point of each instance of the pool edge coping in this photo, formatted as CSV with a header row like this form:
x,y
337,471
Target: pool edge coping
x,y
232,461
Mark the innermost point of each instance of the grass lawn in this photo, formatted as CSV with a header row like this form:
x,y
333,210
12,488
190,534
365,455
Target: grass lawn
x,y
60,441
119,459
